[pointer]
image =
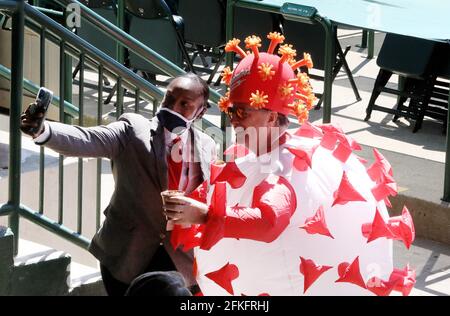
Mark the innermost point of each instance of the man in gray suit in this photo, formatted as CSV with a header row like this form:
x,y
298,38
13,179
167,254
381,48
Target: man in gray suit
x,y
133,238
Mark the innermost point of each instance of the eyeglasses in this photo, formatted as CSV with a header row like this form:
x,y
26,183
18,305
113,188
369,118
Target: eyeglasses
x,y
201,111
240,112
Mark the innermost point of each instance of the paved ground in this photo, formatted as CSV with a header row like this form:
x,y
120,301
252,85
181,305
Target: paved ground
x,y
417,159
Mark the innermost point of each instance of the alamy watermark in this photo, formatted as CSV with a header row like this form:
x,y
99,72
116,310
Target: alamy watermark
x,y
73,19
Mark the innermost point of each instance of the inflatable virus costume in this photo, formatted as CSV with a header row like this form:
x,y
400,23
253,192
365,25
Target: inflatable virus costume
x,y
307,218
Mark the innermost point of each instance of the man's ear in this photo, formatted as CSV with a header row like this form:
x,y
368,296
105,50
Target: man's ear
x,y
272,119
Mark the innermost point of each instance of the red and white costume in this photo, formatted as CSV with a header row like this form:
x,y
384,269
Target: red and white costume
x,y
306,218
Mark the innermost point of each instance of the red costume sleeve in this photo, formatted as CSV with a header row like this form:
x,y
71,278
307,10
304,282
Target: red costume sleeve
x,y
274,202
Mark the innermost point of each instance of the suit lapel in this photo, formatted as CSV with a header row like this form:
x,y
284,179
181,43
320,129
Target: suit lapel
x,y
159,149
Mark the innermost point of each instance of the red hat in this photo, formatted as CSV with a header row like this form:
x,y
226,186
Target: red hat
x,y
266,80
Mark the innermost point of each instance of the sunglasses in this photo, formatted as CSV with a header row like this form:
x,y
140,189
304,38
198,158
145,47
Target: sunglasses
x,y
241,113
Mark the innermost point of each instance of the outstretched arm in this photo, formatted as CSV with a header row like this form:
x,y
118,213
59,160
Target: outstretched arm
x,y
100,141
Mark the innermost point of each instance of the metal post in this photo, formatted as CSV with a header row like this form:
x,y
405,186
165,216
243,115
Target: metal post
x,y
68,69
62,93
371,44
446,196
80,160
120,24
229,30
99,160
363,39
42,149
137,93
15,136
228,59
328,77
155,106
119,101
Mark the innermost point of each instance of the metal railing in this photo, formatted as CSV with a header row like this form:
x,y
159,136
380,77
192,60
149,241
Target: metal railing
x,y
22,15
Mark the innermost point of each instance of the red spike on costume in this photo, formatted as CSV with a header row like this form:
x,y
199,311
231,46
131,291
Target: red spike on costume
x,y
229,173
311,272
350,273
403,227
306,61
398,227
253,42
362,160
224,103
310,131
328,141
317,224
224,276
377,229
200,193
382,190
275,39
233,46
340,135
380,287
381,170
188,237
403,280
227,74
342,153
302,160
346,192
287,52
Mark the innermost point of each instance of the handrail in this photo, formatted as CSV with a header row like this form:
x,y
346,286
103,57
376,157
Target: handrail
x,y
131,43
28,85
69,37
69,44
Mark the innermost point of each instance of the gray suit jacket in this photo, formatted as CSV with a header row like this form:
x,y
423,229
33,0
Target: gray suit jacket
x,y
134,226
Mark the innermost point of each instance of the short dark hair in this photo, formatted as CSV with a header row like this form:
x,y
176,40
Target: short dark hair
x,y
169,99
159,283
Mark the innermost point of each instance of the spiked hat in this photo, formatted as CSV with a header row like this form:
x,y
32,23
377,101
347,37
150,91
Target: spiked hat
x,y
267,80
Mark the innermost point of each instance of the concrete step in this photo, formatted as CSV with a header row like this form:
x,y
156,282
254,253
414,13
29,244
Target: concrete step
x,y
79,279
40,270
85,281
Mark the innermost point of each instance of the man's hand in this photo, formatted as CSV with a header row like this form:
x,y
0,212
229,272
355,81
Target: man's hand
x,y
184,210
29,123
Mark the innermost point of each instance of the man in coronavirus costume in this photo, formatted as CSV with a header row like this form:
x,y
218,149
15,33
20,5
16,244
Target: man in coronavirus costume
x,y
290,213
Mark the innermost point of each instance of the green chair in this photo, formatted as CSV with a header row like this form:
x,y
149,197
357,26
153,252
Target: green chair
x,y
153,23
107,9
251,22
310,38
204,31
417,61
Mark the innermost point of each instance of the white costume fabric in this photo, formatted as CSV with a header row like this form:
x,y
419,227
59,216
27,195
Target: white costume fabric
x,y
251,250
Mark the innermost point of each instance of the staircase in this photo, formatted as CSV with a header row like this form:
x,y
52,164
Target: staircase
x,y
38,270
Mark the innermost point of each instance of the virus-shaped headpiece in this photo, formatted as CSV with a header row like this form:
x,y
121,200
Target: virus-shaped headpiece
x,y
267,80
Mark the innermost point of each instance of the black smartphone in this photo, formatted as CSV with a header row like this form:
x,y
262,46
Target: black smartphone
x,y
40,106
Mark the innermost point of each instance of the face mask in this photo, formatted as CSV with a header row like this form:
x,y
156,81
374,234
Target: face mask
x,y
173,121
